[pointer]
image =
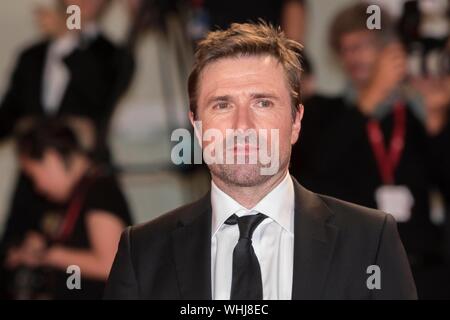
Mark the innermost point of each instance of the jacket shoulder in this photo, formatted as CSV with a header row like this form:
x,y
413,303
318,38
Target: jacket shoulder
x,y
163,225
355,218
35,49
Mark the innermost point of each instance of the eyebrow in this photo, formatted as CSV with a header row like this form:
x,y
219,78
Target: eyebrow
x,y
218,98
252,96
264,95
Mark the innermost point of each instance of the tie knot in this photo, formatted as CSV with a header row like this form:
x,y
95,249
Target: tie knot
x,y
247,224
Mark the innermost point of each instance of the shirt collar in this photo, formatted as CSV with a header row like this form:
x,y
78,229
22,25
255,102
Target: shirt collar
x,y
64,45
278,205
70,40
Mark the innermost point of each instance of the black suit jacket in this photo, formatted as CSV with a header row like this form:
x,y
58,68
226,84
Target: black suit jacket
x,y
334,243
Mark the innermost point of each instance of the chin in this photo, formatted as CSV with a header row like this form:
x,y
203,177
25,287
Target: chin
x,y
244,175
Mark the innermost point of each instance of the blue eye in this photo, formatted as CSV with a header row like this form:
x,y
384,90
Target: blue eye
x,y
264,103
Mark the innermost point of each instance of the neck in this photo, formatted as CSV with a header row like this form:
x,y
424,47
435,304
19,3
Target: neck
x,y
248,197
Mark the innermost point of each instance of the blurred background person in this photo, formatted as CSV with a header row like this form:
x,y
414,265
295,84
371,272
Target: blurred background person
x,y
77,72
309,85
69,72
83,229
373,137
424,28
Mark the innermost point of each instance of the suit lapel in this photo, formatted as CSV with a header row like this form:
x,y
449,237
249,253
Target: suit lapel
x,y
314,241
192,251
38,75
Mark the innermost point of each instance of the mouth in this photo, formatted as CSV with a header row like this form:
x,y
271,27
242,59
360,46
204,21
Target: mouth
x,y
245,149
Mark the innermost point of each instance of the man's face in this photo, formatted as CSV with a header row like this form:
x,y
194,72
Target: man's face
x,y
358,54
247,93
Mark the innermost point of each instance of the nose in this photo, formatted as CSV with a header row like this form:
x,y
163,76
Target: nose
x,y
243,117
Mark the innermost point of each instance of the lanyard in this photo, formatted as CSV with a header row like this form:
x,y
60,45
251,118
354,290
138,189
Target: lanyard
x,y
71,217
388,160
74,210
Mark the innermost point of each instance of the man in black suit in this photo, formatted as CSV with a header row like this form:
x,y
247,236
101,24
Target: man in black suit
x,y
258,234
79,73
76,73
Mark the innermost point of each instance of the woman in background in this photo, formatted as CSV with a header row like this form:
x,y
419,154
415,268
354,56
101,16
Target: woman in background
x,y
82,230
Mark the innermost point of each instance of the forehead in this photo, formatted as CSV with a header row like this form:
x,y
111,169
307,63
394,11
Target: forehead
x,y
245,73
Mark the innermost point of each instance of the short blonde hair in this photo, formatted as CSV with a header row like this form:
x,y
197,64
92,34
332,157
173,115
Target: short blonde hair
x,y
248,39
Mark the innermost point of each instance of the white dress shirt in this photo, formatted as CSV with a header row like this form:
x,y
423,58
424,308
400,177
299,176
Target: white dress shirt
x,y
273,241
56,74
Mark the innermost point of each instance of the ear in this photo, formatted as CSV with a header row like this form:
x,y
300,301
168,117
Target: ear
x,y
296,126
196,124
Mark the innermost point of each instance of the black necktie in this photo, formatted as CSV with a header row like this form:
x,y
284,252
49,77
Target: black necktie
x,y
246,283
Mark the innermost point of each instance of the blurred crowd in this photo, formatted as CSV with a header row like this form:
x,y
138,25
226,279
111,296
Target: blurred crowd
x,y
382,142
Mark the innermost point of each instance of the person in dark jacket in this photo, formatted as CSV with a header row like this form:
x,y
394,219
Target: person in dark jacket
x,y
80,233
372,139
